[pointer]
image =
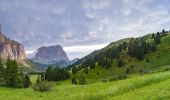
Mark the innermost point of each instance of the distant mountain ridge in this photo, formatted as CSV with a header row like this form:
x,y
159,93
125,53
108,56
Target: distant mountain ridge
x,y
51,55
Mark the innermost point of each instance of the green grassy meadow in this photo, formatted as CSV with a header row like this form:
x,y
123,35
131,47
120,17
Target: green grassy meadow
x,y
154,86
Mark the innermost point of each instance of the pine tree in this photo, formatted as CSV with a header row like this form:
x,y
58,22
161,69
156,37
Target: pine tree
x,y
120,63
2,74
12,78
74,70
153,35
26,81
157,38
164,33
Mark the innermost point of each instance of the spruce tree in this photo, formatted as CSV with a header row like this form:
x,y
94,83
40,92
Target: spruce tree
x,y
12,78
2,74
157,38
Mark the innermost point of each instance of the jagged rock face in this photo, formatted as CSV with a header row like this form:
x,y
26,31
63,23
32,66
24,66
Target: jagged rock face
x,y
51,55
11,48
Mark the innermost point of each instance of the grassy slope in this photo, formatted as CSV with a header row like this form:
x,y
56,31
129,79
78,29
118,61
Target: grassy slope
x,y
155,86
158,91
156,59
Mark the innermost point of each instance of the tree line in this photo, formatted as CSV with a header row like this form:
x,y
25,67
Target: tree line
x,y
56,74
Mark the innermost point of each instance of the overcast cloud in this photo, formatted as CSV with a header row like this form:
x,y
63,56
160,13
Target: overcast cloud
x,y
78,25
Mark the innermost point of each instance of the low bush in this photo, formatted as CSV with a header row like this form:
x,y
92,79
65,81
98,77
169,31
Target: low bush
x,y
42,85
82,79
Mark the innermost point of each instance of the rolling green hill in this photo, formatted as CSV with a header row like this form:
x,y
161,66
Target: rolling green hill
x,y
132,66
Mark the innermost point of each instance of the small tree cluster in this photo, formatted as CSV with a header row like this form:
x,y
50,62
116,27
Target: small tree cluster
x,y
56,74
138,47
10,75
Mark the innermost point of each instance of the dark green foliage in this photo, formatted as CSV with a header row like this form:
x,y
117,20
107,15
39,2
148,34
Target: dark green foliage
x,y
136,48
82,79
124,46
164,33
85,70
147,60
122,77
26,81
120,63
12,76
74,81
153,36
92,65
74,70
146,46
105,62
153,46
56,74
139,52
130,70
97,72
41,85
142,71
157,38
2,73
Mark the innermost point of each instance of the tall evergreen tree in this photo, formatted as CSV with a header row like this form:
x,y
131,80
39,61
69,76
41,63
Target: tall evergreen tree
x,y
164,33
2,74
12,78
26,81
157,38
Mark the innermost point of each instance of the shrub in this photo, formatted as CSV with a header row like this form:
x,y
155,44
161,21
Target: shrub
x,y
147,60
104,80
142,71
97,72
42,86
82,79
74,81
120,63
122,77
113,79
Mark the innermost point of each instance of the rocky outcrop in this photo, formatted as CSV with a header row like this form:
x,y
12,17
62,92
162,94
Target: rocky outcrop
x,y
11,48
51,55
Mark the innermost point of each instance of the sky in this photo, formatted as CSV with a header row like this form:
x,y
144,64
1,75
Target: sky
x,y
80,26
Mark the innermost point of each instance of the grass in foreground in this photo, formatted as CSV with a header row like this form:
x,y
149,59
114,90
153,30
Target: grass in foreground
x,y
153,85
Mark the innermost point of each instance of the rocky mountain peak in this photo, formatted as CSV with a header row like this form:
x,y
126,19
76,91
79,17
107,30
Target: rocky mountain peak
x,y
51,55
52,52
11,48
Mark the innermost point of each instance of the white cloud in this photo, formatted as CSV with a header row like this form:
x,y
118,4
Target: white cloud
x,y
84,50
30,52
